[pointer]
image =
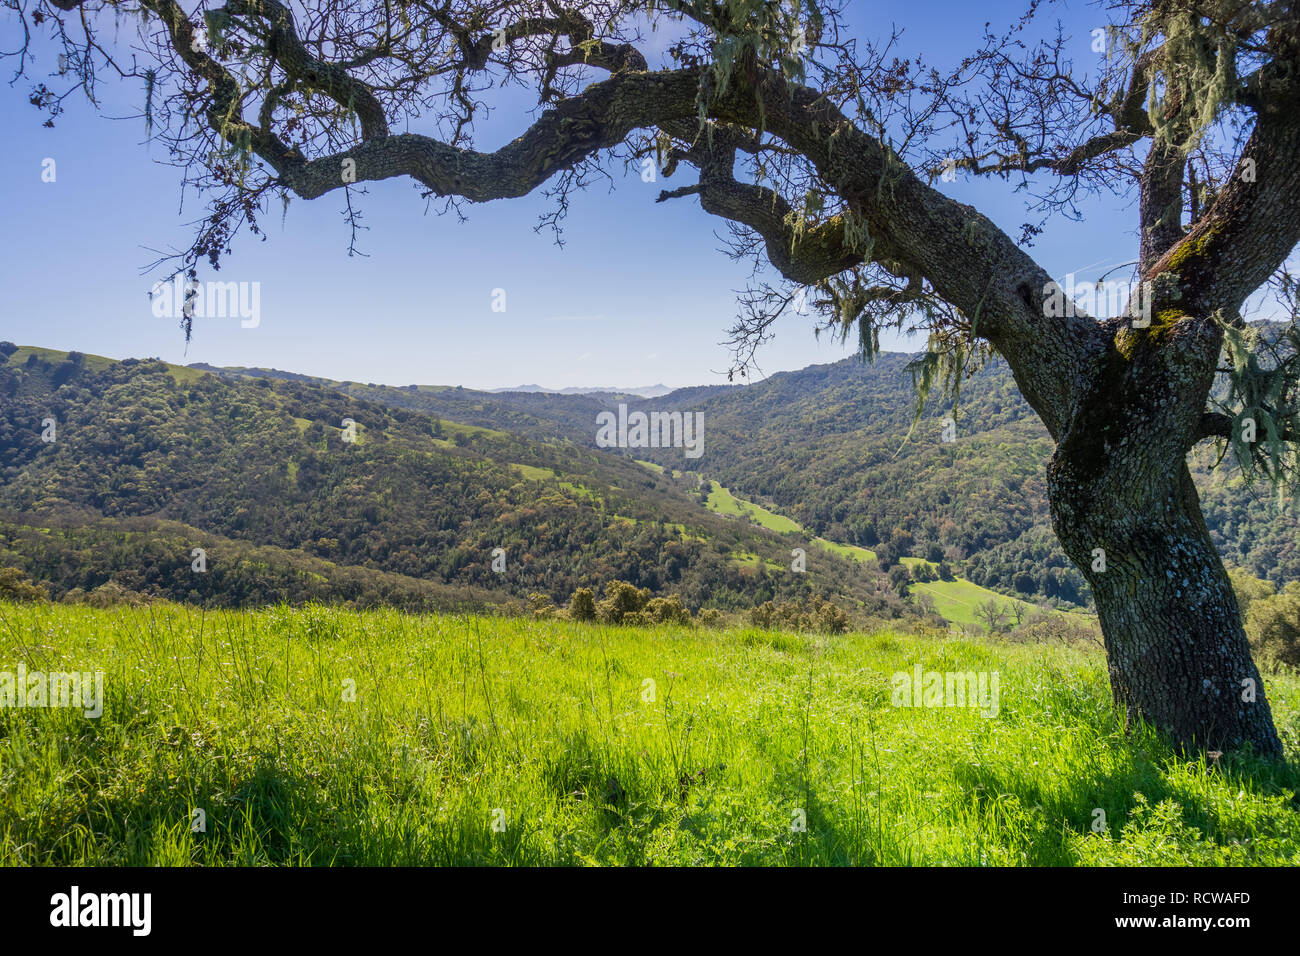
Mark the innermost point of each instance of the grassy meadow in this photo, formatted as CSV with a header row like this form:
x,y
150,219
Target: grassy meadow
x,y
957,601
324,736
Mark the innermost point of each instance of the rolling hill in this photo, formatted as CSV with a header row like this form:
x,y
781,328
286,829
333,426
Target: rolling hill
x,y
825,458
833,448
326,482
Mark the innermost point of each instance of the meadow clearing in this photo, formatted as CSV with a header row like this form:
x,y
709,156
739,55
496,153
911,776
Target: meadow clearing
x,y
324,736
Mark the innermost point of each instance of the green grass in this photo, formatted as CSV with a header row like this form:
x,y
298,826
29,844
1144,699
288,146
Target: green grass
x,y
534,473
98,363
579,490
846,550
183,375
54,357
456,428
958,599
243,715
724,502
750,560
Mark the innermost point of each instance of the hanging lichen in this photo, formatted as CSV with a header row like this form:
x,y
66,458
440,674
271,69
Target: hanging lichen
x,y
216,22
947,362
771,33
857,236
148,103
1195,75
1262,400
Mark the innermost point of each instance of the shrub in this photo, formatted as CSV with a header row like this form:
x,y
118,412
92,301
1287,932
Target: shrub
x,y
831,619
1045,626
111,593
814,615
621,599
540,605
628,605
1271,618
666,610
1273,625
15,586
900,578
887,555
710,617
582,606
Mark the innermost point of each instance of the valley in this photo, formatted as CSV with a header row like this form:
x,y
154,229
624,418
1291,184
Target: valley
x,y
830,460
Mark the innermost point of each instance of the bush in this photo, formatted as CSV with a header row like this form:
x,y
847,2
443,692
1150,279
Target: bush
x,y
582,606
815,615
629,606
900,578
110,593
1271,618
831,619
1045,626
540,605
621,600
887,555
1273,625
666,610
15,586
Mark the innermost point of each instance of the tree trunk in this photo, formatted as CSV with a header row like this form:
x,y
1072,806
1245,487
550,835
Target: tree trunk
x,y
1176,650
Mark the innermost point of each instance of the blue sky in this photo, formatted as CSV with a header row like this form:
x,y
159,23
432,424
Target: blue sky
x,y
640,294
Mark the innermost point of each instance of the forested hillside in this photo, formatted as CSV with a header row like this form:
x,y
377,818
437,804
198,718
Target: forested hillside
x,y
438,477
833,446
830,445
428,500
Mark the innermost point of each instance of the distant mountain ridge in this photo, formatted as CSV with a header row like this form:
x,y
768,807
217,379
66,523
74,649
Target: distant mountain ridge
x,y
647,391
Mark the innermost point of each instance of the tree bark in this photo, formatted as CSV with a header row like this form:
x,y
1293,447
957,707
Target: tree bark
x,y
1176,651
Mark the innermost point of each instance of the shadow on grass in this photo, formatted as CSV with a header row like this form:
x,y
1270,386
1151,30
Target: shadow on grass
x,y
1198,793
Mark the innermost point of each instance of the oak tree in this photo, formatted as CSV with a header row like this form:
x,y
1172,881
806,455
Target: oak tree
x,y
826,155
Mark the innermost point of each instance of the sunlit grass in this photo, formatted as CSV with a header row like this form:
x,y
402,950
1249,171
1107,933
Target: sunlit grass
x,y
724,502
551,730
957,601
